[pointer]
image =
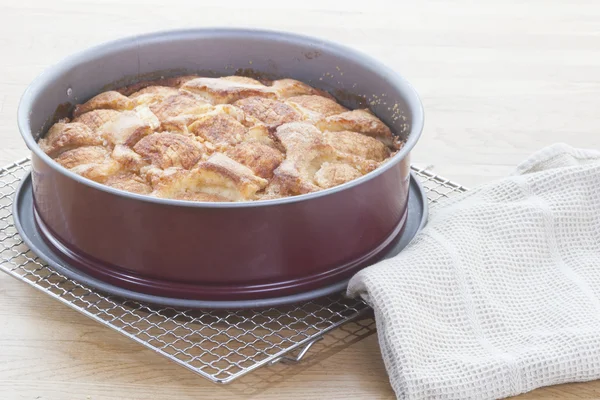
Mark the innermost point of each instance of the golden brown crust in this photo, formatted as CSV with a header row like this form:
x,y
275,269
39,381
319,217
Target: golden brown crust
x,y
238,114
129,182
66,136
219,139
226,91
174,82
261,134
270,112
306,150
262,159
153,94
159,92
127,129
287,88
166,150
356,144
97,118
82,155
179,104
289,181
92,162
129,159
362,121
218,176
165,182
334,174
243,80
239,175
219,129
105,101
316,107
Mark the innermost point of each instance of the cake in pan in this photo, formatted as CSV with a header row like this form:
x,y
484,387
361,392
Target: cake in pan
x,y
219,139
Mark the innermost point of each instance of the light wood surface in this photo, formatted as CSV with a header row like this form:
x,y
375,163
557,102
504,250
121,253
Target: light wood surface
x,y
498,79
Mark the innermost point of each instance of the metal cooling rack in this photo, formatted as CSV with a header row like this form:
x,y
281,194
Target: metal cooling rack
x,y
219,345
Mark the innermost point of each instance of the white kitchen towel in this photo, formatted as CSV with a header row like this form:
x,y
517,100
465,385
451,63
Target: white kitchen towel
x,y
500,293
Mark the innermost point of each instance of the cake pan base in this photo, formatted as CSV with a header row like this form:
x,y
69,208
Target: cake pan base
x,y
23,214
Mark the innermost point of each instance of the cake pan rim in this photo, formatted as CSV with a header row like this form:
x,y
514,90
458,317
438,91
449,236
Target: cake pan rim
x,y
397,81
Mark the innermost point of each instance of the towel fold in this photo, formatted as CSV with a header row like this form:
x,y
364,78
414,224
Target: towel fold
x,y
500,293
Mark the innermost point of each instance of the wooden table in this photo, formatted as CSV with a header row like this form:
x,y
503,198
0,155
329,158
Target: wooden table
x,y
498,79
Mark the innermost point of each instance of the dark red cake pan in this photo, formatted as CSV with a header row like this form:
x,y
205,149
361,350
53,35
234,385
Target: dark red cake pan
x,y
25,222
221,251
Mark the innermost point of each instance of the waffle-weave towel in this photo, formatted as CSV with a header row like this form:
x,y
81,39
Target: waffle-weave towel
x,y
500,293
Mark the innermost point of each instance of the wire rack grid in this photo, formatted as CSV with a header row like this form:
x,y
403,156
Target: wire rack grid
x,y
219,345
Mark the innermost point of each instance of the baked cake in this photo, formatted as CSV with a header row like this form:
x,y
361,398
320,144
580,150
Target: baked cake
x,y
219,139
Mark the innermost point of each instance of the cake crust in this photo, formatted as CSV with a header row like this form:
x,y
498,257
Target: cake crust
x,y
219,139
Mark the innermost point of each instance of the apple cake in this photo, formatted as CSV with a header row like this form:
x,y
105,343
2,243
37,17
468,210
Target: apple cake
x,y
219,139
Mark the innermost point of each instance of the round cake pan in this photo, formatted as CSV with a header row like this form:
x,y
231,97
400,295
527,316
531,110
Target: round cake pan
x,y
24,219
221,251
